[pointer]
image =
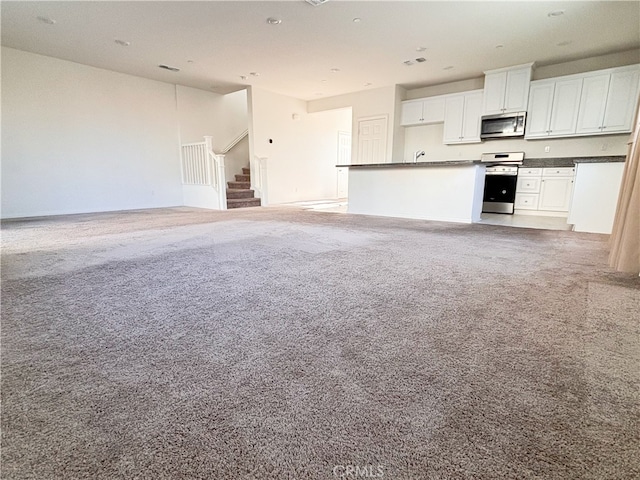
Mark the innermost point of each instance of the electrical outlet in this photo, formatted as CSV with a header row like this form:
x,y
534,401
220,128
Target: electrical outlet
x,y
547,149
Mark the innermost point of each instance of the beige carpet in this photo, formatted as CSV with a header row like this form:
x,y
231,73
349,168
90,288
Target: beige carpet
x,y
277,343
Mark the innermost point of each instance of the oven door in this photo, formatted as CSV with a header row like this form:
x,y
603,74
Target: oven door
x,y
499,192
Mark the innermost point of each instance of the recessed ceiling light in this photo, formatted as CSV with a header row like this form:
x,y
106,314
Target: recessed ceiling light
x,y
254,74
555,13
499,46
421,49
357,20
243,77
189,61
408,62
564,44
450,67
335,70
421,59
47,20
315,3
168,67
122,43
368,84
274,21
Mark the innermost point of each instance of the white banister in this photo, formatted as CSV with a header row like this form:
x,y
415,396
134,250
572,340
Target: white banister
x,y
235,141
260,183
202,167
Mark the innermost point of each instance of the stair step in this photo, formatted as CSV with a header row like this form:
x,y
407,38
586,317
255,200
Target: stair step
x,y
243,202
239,185
246,171
243,178
237,193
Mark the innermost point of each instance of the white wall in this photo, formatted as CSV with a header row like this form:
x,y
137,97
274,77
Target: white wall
x,y
303,155
367,103
81,139
203,113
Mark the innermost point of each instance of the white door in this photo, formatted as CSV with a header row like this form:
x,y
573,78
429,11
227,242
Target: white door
x,y
471,118
566,103
540,105
555,194
344,158
593,102
453,118
517,90
618,116
494,87
372,140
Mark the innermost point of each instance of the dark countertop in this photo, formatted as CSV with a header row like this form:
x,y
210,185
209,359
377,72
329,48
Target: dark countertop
x,y
444,163
569,161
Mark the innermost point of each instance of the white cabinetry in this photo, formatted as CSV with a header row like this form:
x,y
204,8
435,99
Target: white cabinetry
x,y
553,108
506,90
555,189
544,191
607,103
595,196
423,111
528,188
462,117
594,103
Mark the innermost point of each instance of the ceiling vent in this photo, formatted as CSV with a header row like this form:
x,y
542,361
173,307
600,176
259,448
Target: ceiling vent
x,y
315,3
171,69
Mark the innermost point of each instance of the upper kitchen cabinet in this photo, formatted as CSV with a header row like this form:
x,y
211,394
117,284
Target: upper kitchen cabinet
x,y
608,101
593,103
462,117
423,111
506,90
553,108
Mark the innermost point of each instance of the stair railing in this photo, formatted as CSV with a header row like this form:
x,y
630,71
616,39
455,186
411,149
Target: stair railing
x,y
203,167
235,141
260,182
216,166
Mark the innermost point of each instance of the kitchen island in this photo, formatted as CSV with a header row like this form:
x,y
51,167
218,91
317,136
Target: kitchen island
x,y
448,191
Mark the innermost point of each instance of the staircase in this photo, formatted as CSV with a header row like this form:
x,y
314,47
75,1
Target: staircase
x,y
239,193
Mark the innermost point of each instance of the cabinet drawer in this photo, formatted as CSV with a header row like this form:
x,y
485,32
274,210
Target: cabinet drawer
x,y
528,184
526,201
559,172
529,172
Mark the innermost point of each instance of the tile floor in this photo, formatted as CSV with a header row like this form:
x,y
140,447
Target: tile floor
x,y
521,221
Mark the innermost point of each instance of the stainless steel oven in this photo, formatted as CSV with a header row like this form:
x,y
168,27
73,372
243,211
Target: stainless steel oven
x,y
500,181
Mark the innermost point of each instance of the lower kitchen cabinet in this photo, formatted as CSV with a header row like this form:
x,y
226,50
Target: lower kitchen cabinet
x,y
544,191
555,194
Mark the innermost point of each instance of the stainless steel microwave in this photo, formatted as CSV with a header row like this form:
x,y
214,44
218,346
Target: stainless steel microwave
x,y
503,125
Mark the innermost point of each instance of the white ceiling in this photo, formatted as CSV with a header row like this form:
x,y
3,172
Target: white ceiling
x,y
214,43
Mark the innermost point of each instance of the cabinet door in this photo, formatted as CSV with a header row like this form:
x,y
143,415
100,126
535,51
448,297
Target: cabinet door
x,y
593,102
453,114
621,101
516,94
411,113
527,201
566,103
494,88
528,184
555,194
433,110
471,117
540,105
